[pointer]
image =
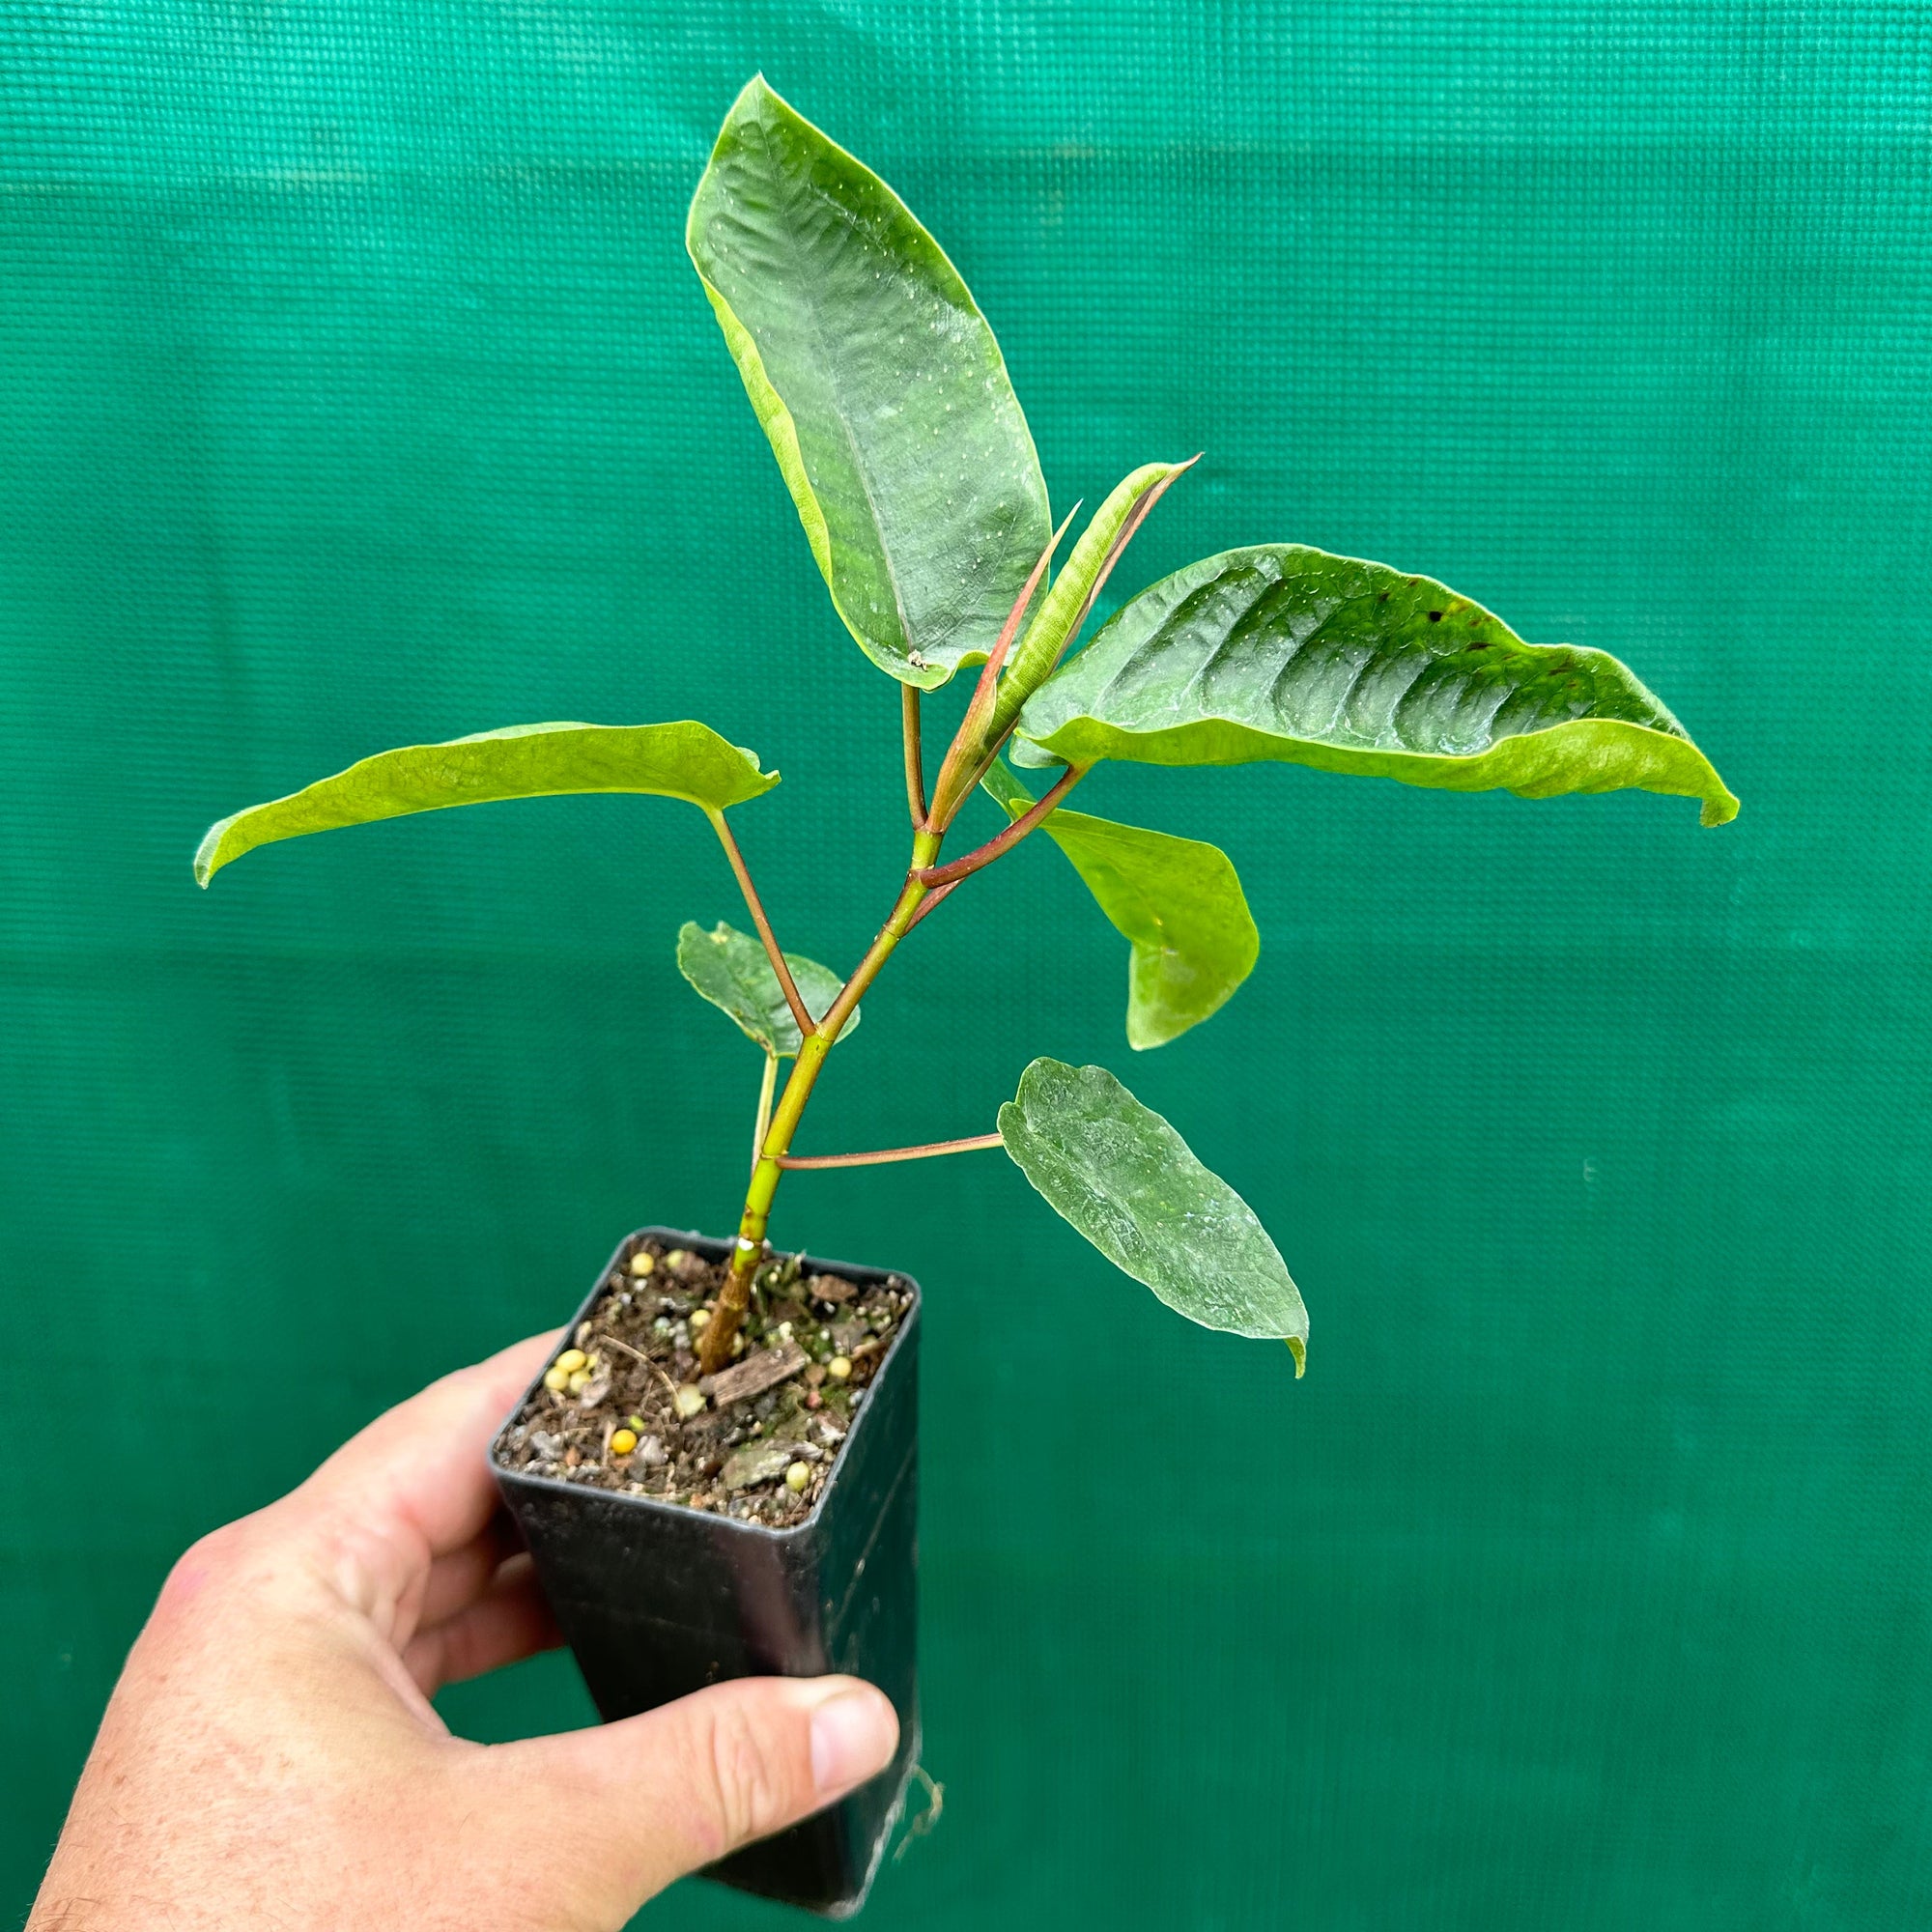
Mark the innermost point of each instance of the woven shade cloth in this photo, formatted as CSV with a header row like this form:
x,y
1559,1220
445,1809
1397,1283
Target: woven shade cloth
x,y
355,390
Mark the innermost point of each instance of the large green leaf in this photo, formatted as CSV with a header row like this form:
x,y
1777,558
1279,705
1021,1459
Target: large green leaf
x,y
730,969
880,386
685,760
1283,652
1178,902
1132,1186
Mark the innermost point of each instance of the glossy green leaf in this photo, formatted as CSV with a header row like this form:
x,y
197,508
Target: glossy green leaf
x,y
730,969
1128,1182
1178,902
1283,652
1061,610
880,386
684,760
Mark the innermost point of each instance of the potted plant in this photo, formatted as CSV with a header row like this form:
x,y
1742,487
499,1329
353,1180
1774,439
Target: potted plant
x,y
716,1474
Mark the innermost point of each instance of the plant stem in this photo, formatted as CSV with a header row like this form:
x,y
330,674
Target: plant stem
x,y
941,877
735,1296
966,756
915,762
766,1088
879,1156
932,900
800,1011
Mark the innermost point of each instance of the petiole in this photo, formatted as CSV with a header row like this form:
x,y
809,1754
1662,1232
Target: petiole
x,y
752,904
940,877
879,1156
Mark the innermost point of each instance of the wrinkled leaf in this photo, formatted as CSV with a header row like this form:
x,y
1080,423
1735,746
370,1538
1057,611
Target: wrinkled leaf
x,y
685,760
730,969
1128,1182
880,386
1052,624
1177,901
1283,652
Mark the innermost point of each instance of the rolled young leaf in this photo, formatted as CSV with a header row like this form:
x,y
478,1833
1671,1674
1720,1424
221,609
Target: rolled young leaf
x,y
729,968
1064,605
1283,652
879,385
685,760
1177,901
1128,1182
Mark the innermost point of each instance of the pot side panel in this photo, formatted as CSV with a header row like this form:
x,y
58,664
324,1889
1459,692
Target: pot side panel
x,y
657,1602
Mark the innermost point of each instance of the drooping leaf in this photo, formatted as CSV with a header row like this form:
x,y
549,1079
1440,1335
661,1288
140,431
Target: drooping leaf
x,y
1283,652
684,759
1128,1182
730,969
879,385
1059,611
1178,902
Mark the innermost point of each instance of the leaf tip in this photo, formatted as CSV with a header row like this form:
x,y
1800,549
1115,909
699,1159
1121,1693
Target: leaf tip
x,y
1298,1348
208,860
1718,809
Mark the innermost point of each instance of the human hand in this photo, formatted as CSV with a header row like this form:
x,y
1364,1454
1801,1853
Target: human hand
x,y
270,1756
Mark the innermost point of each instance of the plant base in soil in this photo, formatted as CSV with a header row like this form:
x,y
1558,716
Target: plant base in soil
x,y
623,1407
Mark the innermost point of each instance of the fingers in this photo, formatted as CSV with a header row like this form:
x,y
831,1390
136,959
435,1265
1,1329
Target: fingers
x,y
457,1579
421,1466
506,1623
668,1792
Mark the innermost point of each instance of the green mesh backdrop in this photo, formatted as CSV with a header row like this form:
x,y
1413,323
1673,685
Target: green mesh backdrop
x,y
357,390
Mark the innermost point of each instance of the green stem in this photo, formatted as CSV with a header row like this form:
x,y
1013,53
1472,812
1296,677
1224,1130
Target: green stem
x,y
735,1296
767,1087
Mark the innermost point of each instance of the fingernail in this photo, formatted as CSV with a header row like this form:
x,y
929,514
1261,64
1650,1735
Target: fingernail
x,y
853,1736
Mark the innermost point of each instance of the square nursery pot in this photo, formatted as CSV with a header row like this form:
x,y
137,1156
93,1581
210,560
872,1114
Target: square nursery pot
x,y
657,1601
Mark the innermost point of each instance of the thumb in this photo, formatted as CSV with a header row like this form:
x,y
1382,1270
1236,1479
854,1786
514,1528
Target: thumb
x,y
643,1801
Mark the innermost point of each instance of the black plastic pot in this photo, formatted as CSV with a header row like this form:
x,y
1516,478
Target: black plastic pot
x,y
658,1601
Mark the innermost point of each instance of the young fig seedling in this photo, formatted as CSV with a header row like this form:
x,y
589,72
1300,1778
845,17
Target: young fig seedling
x,y
888,405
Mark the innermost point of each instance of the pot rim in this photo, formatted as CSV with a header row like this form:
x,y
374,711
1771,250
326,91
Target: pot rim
x,y
657,1505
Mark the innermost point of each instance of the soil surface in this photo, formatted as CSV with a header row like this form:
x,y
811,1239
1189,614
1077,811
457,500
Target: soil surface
x,y
624,1407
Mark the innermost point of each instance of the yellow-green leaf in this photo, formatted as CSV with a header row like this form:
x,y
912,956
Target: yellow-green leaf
x,y
684,759
1177,901
1051,627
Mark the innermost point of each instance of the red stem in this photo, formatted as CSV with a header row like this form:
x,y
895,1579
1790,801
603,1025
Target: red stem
x,y
915,763
950,873
932,900
925,1150
986,694
990,671
800,1011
